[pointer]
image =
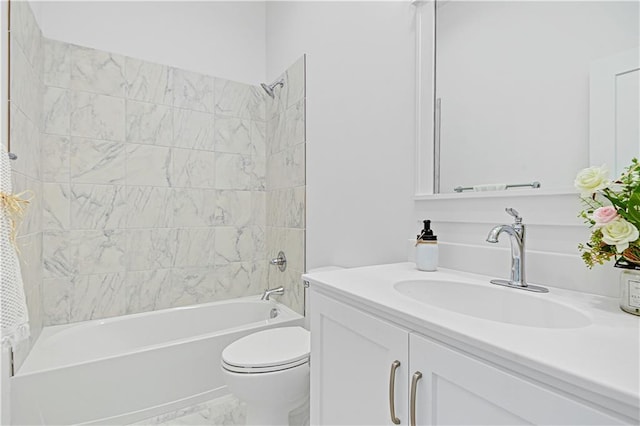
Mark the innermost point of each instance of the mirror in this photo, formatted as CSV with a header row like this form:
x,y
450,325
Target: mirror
x,y
614,110
512,88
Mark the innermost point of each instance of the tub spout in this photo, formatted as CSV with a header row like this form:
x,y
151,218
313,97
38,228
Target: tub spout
x,y
272,292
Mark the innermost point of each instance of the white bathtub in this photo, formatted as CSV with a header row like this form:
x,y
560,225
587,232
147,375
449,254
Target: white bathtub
x,y
125,369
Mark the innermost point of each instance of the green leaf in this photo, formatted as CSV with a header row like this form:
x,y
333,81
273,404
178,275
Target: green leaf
x,y
615,201
633,208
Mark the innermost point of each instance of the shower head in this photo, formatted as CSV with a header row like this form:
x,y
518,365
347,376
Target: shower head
x,y
267,89
270,87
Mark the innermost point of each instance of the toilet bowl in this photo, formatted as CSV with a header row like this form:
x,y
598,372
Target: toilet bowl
x,y
269,370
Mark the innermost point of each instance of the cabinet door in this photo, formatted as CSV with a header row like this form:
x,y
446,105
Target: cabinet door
x,y
458,389
351,360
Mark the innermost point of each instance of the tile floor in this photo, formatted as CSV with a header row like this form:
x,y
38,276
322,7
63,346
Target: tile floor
x,y
224,411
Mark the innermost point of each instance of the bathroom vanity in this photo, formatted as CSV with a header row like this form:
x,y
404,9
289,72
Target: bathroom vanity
x,y
393,345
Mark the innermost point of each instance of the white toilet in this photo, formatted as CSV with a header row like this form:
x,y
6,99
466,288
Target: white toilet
x,y
269,370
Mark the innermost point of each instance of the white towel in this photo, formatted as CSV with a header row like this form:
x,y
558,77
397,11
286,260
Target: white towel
x,y
490,187
14,317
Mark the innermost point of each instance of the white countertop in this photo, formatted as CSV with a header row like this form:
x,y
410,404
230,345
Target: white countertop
x,y
602,358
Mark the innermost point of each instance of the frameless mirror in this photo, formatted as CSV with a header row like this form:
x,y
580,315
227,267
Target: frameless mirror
x,y
512,88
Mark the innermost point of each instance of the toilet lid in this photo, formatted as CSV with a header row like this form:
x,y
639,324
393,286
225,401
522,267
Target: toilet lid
x,y
276,347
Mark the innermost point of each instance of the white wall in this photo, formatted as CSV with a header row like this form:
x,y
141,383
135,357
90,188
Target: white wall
x,y
5,359
221,38
360,123
4,83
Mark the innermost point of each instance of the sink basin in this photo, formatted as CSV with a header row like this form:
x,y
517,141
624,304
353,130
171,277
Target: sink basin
x,y
506,305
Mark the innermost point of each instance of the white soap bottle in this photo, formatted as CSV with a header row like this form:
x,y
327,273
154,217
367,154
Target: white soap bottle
x,y
427,249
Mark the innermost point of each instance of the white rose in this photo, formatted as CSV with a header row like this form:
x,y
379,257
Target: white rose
x,y
592,179
619,233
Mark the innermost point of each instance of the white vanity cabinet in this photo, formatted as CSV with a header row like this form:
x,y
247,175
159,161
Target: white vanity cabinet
x,y
352,353
352,356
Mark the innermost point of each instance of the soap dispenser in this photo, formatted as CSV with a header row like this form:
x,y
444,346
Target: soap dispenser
x,y
427,249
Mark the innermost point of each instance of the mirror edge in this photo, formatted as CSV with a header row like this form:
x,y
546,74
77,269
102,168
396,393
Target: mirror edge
x,y
602,104
425,159
513,193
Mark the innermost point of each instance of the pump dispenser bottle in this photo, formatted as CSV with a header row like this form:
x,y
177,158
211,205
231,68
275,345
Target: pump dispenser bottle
x,y
427,249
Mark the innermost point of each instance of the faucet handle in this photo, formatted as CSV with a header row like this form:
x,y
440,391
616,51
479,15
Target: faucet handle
x,y
513,212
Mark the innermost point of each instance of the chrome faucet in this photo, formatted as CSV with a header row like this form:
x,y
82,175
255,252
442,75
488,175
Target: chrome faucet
x,y
516,234
272,292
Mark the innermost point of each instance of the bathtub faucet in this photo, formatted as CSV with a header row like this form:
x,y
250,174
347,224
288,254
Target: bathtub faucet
x,y
272,292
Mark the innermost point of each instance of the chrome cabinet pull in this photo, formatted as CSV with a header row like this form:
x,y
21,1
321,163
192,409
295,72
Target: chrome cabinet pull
x,y
414,384
392,392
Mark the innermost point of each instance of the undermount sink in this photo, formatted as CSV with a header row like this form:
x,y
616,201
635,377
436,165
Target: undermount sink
x,y
499,304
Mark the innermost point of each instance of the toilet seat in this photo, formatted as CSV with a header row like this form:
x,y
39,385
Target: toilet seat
x,y
271,350
255,370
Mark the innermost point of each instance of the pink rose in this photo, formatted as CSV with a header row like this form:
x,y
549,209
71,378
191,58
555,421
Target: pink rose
x,y
603,215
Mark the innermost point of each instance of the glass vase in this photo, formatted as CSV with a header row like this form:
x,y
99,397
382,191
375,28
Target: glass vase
x,y
629,287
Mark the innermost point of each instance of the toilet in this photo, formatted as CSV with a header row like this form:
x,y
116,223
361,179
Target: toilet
x,y
269,370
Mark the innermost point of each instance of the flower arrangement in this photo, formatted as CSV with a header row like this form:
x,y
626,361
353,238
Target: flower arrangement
x,y
612,210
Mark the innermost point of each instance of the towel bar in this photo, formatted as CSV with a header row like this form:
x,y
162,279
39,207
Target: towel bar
x,y
535,184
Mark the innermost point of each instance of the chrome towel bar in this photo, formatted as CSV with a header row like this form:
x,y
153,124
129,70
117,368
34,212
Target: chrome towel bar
x,y
535,184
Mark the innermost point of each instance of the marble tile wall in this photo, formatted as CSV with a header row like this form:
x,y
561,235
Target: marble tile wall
x,y
285,176
26,124
154,183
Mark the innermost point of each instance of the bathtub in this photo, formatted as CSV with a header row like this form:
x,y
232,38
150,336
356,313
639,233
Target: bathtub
x,y
125,369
